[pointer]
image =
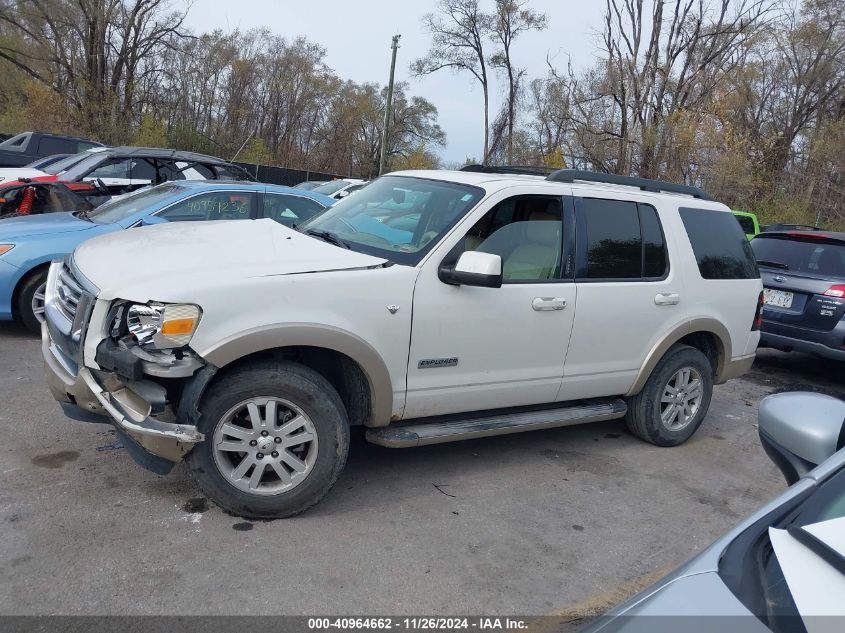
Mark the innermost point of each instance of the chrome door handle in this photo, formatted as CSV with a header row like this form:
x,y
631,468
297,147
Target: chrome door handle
x,y
667,299
548,303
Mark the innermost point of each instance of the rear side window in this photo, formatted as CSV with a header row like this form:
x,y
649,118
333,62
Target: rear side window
x,y
619,240
720,247
49,145
289,210
815,257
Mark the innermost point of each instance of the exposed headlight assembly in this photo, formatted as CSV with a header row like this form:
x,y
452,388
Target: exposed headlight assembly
x,y
162,326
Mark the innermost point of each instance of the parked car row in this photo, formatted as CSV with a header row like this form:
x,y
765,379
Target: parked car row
x,y
28,243
248,349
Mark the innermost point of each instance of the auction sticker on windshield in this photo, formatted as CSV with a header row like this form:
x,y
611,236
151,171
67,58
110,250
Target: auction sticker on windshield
x,y
777,298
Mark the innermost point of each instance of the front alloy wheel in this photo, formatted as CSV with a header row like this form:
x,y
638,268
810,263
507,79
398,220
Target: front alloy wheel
x,y
265,445
277,436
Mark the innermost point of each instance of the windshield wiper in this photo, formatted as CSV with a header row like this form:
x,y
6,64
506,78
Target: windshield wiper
x,y
819,548
771,264
327,236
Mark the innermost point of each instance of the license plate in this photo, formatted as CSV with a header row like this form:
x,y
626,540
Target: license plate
x,y
777,298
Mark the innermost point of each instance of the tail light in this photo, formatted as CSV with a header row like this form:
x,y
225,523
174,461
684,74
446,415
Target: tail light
x,y
79,186
835,291
758,315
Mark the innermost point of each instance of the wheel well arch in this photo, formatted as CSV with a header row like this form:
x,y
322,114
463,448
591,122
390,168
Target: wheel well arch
x,y
35,270
361,360
343,372
708,344
706,335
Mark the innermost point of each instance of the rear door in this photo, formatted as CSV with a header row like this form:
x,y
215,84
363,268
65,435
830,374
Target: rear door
x,y
629,294
803,281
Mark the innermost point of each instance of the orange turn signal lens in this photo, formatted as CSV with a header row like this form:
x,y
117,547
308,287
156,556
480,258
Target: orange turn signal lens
x,y
5,248
177,327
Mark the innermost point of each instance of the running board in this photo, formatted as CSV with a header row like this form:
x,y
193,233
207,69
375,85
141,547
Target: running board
x,y
440,430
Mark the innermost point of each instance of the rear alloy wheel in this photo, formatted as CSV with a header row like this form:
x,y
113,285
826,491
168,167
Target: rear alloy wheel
x,y
675,398
30,304
276,439
681,399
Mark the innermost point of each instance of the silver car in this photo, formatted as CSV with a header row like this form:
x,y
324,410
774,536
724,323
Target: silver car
x,y
783,568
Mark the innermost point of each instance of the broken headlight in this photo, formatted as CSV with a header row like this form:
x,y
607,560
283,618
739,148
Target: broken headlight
x,y
161,326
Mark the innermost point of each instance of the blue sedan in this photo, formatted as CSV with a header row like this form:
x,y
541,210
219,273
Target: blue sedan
x,y
29,243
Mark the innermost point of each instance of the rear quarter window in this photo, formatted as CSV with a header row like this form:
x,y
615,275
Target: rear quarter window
x,y
721,249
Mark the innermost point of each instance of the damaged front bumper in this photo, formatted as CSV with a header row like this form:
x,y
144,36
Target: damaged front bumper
x,y
105,396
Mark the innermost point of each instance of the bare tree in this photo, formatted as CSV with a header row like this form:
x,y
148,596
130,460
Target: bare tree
x,y
458,33
94,53
663,68
511,19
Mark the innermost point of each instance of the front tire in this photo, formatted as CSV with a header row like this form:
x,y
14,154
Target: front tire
x,y
276,440
675,399
30,303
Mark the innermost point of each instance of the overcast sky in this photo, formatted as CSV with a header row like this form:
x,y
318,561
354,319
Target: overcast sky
x,y
357,39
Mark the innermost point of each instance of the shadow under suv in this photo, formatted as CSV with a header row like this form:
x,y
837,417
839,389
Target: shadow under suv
x,y
804,291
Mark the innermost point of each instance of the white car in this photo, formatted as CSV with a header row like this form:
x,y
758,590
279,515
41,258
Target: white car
x,y
8,174
341,188
431,306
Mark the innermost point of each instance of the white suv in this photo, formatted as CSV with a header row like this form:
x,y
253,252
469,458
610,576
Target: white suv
x,y
431,306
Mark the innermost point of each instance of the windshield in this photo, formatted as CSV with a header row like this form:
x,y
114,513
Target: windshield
x,y
127,205
814,257
81,167
750,566
398,218
65,163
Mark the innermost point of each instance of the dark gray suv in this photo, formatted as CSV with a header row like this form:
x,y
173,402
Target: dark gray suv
x,y
804,291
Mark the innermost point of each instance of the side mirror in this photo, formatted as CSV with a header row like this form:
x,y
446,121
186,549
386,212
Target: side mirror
x,y
153,219
800,430
474,269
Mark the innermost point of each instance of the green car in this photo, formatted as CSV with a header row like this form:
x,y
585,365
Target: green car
x,y
748,222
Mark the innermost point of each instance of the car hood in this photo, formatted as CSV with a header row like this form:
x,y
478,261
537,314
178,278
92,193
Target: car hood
x,y
14,228
162,261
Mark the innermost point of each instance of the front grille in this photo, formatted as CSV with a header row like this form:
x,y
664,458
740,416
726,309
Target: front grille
x,y
68,293
70,300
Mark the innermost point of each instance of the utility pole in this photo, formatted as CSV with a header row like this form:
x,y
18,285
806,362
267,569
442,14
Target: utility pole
x,y
388,110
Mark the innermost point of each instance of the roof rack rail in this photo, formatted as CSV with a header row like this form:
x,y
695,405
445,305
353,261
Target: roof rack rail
x,y
645,184
525,170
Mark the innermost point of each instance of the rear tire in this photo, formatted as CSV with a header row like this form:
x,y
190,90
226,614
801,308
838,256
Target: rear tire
x,y
276,440
675,399
30,304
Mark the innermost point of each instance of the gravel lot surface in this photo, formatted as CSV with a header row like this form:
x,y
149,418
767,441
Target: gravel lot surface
x,y
566,521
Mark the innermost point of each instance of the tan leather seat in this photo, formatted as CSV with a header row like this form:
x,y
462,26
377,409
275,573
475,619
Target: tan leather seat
x,y
538,255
